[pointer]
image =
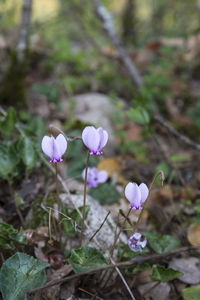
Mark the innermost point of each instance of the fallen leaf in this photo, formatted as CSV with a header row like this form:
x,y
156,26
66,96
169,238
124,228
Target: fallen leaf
x,y
193,234
189,266
160,291
113,166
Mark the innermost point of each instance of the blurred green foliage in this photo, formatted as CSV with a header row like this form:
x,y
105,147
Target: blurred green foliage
x,y
10,238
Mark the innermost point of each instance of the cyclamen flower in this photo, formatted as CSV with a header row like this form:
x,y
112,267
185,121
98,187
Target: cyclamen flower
x,y
135,243
136,195
54,147
94,139
95,177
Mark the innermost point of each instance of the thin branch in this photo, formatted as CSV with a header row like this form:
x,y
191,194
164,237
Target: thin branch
x,y
109,27
99,227
177,134
136,260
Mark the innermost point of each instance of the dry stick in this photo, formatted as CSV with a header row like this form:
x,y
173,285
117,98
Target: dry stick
x,y
99,227
109,27
136,260
180,136
83,290
84,199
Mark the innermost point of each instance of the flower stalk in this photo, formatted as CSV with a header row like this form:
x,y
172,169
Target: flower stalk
x,y
84,199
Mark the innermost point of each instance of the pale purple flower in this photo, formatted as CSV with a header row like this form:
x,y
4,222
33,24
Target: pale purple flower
x,y
94,139
136,195
95,177
135,243
54,147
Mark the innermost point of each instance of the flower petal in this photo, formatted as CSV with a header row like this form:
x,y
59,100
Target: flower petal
x,y
62,143
47,145
102,176
143,243
103,137
144,192
133,194
91,138
137,236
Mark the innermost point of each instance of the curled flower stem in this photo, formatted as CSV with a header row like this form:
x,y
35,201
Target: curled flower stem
x,y
58,202
162,178
84,199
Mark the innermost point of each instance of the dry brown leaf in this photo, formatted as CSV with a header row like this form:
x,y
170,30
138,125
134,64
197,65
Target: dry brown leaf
x,y
113,167
193,234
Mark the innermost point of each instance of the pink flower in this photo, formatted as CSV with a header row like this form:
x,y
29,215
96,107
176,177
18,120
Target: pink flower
x,y
94,139
54,147
95,177
136,195
135,243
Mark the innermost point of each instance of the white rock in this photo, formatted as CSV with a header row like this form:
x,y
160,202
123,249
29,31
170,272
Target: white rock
x,y
96,215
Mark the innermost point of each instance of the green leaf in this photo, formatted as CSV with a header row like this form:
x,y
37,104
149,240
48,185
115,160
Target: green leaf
x,y
163,274
27,152
9,159
138,115
7,125
86,258
105,193
19,274
10,238
162,243
70,225
192,293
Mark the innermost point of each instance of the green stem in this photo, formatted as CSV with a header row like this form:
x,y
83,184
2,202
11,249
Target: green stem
x,y
84,199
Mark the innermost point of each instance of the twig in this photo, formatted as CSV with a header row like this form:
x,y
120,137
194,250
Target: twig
x,y
136,260
99,227
109,27
83,290
24,29
123,279
177,134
